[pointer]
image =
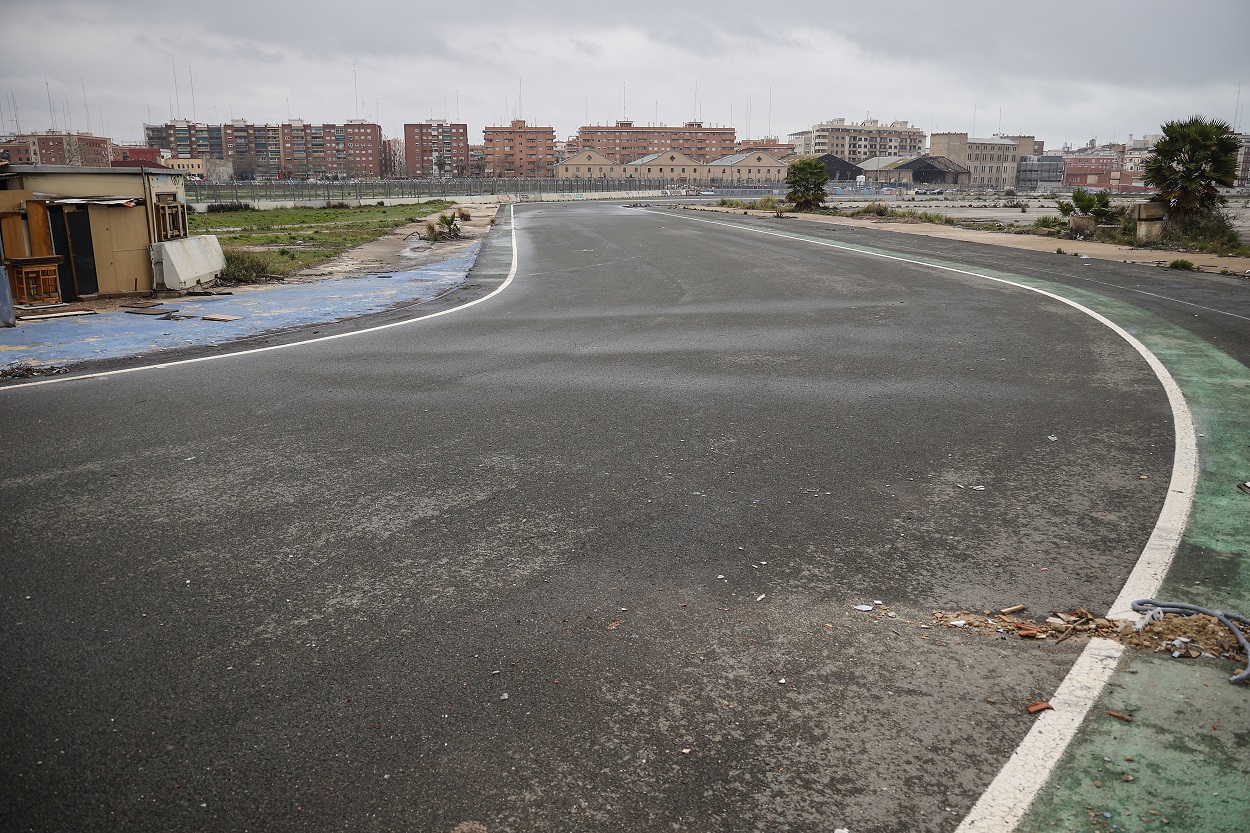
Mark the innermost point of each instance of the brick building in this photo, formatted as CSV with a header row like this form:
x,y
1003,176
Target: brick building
x,y
625,142
294,149
437,148
519,150
769,144
53,147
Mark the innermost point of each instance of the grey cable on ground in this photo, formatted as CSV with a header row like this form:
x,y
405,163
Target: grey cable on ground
x,y
1225,618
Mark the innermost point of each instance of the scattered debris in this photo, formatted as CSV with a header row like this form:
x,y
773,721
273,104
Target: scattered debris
x,y
29,371
503,696
141,304
1196,636
1007,611
1233,623
1118,716
152,309
864,608
1034,708
217,316
978,488
47,315
1244,487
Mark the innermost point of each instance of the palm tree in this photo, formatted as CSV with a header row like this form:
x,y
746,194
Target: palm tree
x,y
1188,164
806,178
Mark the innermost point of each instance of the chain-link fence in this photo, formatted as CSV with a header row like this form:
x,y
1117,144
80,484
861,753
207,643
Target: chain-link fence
x,y
387,189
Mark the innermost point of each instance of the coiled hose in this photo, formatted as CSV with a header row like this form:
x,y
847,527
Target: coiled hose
x,y
1157,610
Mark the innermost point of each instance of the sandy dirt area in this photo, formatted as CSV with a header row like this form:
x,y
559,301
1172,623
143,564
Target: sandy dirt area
x,y
1102,251
401,250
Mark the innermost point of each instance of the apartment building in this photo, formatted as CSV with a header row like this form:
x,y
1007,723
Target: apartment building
x,y
436,148
519,149
625,141
1243,162
991,162
802,141
856,142
294,149
185,139
53,147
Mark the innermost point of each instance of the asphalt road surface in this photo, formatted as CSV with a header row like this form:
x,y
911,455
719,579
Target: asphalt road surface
x,y
582,557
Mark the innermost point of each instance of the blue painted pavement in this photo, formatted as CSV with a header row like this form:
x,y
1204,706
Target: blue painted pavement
x,y
62,341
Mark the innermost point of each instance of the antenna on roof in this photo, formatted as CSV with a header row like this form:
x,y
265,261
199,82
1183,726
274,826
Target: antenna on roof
x,y
192,77
177,97
51,112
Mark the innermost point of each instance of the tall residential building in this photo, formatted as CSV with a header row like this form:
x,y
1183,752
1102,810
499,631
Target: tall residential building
x,y
53,147
802,142
857,142
393,159
1243,162
436,148
991,162
186,139
519,150
625,142
294,149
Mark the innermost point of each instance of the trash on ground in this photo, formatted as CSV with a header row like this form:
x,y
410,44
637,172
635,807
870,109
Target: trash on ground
x,y
1034,708
1244,487
151,310
217,316
863,607
1007,611
1118,716
47,315
27,371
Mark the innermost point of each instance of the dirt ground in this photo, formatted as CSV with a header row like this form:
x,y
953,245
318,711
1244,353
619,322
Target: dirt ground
x,y
1037,243
400,250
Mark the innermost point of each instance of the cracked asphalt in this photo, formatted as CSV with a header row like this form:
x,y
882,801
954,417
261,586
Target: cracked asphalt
x,y
633,493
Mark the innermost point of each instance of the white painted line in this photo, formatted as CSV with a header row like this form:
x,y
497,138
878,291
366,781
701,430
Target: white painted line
x,y
1003,804
253,351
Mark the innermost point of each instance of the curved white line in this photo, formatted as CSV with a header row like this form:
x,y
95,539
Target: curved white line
x,y
1009,795
507,281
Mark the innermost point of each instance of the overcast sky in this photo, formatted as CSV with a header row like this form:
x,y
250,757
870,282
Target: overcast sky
x,y
1063,71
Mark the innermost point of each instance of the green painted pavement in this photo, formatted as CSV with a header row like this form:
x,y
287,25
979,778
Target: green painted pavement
x,y
1189,740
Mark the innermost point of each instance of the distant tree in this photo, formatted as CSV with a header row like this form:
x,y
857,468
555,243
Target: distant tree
x,y
1188,165
806,178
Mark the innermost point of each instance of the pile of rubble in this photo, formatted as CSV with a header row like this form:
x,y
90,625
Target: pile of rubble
x,y
1181,636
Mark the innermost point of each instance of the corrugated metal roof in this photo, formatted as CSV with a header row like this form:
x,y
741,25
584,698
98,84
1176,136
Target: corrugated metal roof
x,y
883,163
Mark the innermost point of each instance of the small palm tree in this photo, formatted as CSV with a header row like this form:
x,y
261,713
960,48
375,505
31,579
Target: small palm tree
x,y
1189,164
806,178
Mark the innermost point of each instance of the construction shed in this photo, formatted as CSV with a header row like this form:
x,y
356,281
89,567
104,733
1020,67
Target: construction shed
x,y
72,233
